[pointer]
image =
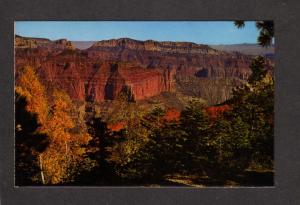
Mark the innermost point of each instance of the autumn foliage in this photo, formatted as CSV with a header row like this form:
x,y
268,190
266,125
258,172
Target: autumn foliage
x,y
117,126
30,87
172,115
58,162
215,111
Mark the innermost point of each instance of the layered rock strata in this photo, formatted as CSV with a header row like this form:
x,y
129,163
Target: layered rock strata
x,y
143,68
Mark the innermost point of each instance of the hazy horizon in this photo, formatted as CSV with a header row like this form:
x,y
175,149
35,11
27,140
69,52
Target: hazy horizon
x,y
200,32
87,41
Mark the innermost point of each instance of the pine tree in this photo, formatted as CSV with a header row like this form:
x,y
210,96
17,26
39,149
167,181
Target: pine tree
x,y
254,104
266,31
230,145
258,70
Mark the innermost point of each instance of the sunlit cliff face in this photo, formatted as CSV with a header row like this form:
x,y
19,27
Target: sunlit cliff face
x,y
147,68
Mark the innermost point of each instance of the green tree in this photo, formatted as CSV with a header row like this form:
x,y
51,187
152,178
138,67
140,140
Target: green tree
x,y
230,142
172,147
153,119
103,154
254,104
258,70
161,155
196,125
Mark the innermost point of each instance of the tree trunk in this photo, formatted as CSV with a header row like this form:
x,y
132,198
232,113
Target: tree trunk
x,y
41,167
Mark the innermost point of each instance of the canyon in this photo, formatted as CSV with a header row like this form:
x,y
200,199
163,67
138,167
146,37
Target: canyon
x,y
139,69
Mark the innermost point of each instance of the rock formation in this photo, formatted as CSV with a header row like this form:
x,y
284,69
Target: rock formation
x,y
144,68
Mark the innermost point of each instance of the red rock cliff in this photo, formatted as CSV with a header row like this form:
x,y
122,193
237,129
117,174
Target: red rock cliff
x,y
147,68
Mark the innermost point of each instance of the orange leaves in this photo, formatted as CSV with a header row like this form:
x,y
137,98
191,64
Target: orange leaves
x,y
60,122
58,126
215,111
60,159
62,101
172,115
30,87
85,138
117,126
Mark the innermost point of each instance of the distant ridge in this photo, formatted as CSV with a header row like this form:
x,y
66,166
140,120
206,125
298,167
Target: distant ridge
x,y
83,44
245,48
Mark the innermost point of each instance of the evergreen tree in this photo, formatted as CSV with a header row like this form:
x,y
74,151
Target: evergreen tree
x,y
195,123
161,155
153,119
254,104
101,140
258,70
101,154
172,147
230,143
266,31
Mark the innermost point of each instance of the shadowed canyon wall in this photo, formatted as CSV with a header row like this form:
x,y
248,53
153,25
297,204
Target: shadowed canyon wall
x,y
144,68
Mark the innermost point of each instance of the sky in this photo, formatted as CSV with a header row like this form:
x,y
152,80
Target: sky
x,y
202,32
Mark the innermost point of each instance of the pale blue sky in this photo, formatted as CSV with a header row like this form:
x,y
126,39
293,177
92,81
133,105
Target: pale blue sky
x,y
205,32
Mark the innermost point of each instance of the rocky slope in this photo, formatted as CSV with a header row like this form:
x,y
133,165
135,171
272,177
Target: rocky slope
x,y
141,69
187,58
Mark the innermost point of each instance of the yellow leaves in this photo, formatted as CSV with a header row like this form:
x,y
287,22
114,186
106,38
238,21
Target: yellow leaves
x,y
84,138
68,147
62,101
60,122
30,87
80,151
260,86
65,151
54,165
268,79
